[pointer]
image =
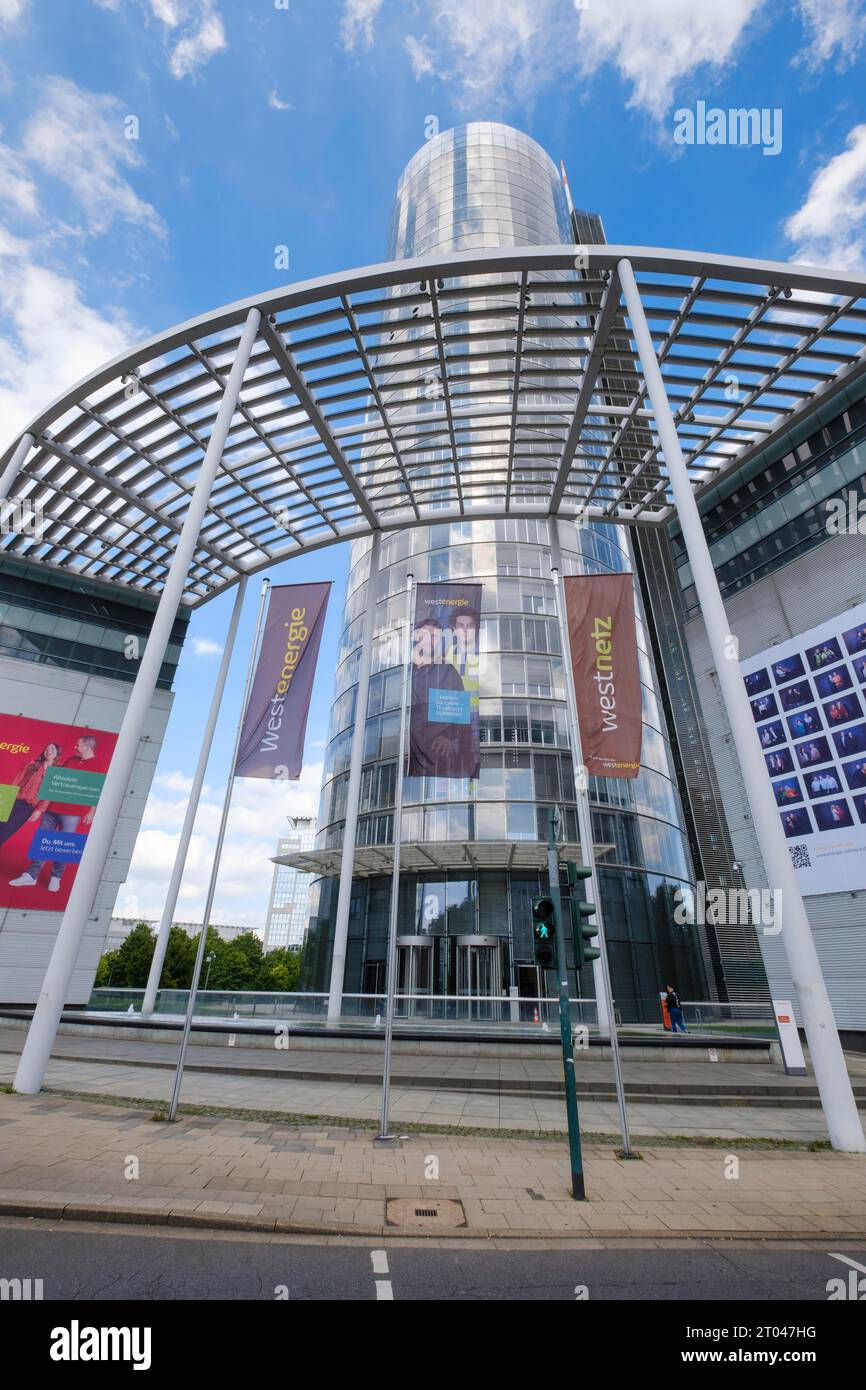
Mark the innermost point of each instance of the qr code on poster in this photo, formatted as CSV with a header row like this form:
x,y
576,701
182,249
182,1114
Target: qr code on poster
x,y
800,856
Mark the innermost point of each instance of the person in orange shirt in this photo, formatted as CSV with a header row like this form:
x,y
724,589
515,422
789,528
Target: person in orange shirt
x,y
60,816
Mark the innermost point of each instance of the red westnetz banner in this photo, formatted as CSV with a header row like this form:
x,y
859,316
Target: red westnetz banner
x,y
603,642
272,738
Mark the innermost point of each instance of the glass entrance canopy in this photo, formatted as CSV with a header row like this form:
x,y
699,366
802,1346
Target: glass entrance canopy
x,y
358,380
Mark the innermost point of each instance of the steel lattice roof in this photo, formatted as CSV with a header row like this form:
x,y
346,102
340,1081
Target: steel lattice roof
x,y
485,384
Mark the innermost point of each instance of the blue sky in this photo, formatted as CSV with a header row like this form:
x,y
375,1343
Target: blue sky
x,y
262,124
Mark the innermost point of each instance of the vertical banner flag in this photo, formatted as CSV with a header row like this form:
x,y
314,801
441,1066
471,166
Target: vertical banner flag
x,y
603,642
444,725
272,738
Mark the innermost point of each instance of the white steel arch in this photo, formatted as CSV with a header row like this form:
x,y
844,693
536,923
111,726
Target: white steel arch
x,y
326,442
289,421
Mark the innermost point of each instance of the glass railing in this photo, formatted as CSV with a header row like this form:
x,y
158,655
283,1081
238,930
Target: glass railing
x,y
701,1017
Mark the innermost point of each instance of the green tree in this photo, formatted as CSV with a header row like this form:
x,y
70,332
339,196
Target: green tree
x,y
238,963
106,970
179,960
132,964
280,970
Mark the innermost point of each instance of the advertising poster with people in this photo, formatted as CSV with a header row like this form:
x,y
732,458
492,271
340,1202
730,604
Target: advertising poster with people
x,y
444,724
50,779
808,698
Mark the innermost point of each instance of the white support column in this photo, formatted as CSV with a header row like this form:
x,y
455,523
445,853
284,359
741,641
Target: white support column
x,y
15,464
825,1049
52,997
391,977
581,788
162,935
353,792
216,861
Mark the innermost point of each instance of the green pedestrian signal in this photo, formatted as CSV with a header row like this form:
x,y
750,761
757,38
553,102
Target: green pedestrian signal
x,y
584,931
544,932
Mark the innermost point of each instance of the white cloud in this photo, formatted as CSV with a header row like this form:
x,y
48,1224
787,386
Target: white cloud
x,y
17,188
167,11
175,782
833,26
194,30
256,821
655,43
516,47
486,51
276,103
205,646
78,137
829,228
50,338
358,19
11,10
420,57
199,46
50,335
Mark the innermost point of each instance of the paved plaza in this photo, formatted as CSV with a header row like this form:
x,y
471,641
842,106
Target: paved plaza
x,y
89,1160
303,1083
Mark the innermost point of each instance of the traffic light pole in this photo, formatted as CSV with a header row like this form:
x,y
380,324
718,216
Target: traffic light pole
x,y
578,1191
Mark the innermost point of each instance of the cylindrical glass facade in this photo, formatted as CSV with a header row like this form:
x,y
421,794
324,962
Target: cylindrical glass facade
x,y
486,185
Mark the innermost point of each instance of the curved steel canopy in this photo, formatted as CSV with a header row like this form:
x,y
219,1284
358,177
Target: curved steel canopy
x,y
485,384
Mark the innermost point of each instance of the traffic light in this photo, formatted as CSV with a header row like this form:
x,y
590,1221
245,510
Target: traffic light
x,y
583,929
544,932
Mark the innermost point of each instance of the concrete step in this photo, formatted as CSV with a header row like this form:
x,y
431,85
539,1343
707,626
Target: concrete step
x,y
665,1091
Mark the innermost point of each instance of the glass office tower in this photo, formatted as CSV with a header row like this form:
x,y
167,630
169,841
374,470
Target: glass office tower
x,y
487,185
289,906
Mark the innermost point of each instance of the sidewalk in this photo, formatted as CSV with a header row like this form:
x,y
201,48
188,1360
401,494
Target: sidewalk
x,y
73,1159
534,1114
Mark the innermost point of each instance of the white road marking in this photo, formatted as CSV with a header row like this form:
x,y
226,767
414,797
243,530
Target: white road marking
x,y
845,1261
384,1290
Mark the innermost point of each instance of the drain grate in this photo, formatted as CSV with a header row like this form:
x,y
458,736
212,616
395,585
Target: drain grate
x,y
410,1214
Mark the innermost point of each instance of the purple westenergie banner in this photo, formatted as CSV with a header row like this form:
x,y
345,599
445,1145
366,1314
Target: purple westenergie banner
x,y
272,738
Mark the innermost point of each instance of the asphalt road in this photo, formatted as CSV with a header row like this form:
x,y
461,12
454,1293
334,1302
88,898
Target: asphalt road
x,y
89,1262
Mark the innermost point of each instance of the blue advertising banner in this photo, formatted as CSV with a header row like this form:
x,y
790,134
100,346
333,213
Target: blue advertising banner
x,y
444,723
61,847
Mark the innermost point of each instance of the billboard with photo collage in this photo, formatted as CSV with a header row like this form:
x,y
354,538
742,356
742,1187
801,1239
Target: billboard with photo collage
x,y
808,700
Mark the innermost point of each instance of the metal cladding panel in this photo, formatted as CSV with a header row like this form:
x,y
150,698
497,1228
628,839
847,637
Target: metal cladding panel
x,y
812,589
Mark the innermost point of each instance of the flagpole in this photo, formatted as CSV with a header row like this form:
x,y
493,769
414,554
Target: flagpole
x,y
390,983
215,867
587,848
163,933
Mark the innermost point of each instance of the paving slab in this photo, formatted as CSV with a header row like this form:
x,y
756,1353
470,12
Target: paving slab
x,y
517,1188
